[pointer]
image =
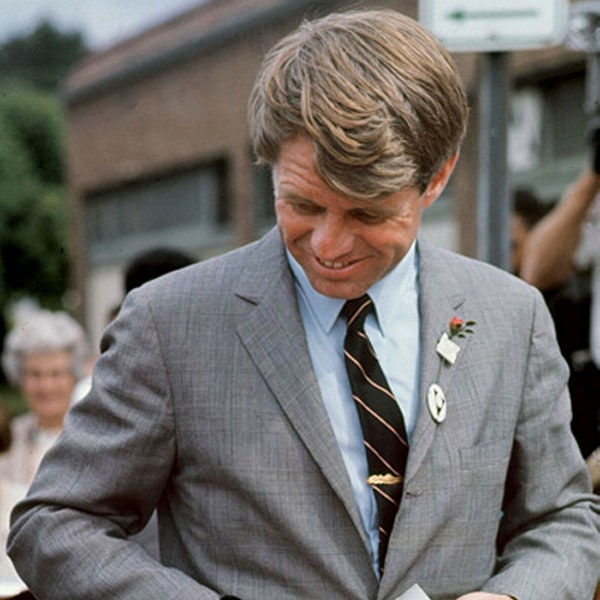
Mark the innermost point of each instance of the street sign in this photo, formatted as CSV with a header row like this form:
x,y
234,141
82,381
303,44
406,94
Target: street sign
x,y
495,25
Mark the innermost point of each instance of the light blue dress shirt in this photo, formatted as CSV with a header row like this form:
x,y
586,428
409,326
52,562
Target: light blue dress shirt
x,y
394,333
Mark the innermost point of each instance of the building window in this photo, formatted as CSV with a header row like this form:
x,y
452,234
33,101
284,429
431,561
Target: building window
x,y
187,207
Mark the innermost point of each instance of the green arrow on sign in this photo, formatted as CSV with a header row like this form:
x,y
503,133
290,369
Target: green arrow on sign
x,y
463,15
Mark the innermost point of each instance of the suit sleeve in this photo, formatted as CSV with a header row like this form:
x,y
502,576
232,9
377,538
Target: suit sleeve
x,y
102,480
550,520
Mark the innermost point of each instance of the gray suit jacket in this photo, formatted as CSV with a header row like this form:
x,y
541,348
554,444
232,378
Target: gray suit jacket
x,y
204,403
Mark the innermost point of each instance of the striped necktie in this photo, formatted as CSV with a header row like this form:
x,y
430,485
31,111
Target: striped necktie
x,y
384,432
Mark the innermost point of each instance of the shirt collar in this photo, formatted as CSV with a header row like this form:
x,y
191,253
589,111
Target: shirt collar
x,y
384,293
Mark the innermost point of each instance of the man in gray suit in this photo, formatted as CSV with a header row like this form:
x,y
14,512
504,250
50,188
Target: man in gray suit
x,y
221,396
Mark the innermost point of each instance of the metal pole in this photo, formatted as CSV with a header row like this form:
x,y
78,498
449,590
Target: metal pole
x,y
592,83
592,90
493,196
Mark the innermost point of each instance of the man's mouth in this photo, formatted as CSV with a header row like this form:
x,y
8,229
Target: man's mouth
x,y
333,264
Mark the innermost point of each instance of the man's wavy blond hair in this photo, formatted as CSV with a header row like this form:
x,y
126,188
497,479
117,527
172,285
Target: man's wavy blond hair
x,y
379,96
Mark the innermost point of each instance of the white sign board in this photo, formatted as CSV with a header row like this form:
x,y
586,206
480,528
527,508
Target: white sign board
x,y
495,25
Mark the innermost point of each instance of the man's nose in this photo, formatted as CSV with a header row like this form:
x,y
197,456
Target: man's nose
x,y
331,238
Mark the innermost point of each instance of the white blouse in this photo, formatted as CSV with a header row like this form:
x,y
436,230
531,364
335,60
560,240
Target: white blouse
x,y
18,466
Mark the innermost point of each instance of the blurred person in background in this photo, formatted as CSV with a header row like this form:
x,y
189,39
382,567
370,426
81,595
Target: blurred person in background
x,y
153,263
148,265
527,210
569,300
562,258
44,355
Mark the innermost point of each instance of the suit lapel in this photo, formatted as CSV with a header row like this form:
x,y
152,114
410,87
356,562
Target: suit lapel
x,y
275,339
440,298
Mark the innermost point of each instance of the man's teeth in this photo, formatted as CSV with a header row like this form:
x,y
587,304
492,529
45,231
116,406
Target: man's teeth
x,y
333,265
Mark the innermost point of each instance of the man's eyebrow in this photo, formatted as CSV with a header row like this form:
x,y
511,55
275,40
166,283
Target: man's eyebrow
x,y
291,195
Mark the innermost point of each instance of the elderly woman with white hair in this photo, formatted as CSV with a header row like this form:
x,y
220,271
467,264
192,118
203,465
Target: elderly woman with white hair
x,y
44,356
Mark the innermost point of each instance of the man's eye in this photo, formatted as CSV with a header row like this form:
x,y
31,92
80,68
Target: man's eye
x,y
368,218
306,209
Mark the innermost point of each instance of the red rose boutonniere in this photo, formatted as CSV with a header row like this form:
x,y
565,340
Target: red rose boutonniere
x,y
446,347
458,327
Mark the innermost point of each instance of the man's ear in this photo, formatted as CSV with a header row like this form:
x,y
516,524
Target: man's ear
x,y
438,181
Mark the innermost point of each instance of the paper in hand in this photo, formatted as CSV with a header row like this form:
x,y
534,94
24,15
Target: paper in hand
x,y
415,592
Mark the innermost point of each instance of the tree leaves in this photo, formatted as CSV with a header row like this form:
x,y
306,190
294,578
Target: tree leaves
x,y
33,220
42,58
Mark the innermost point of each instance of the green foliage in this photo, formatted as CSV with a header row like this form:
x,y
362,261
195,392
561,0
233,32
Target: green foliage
x,y
36,122
33,245
42,58
33,218
15,162
33,221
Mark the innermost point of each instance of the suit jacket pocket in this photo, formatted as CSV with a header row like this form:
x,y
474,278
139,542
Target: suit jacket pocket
x,y
486,463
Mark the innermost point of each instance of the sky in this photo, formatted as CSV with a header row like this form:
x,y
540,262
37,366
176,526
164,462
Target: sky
x,y
103,22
